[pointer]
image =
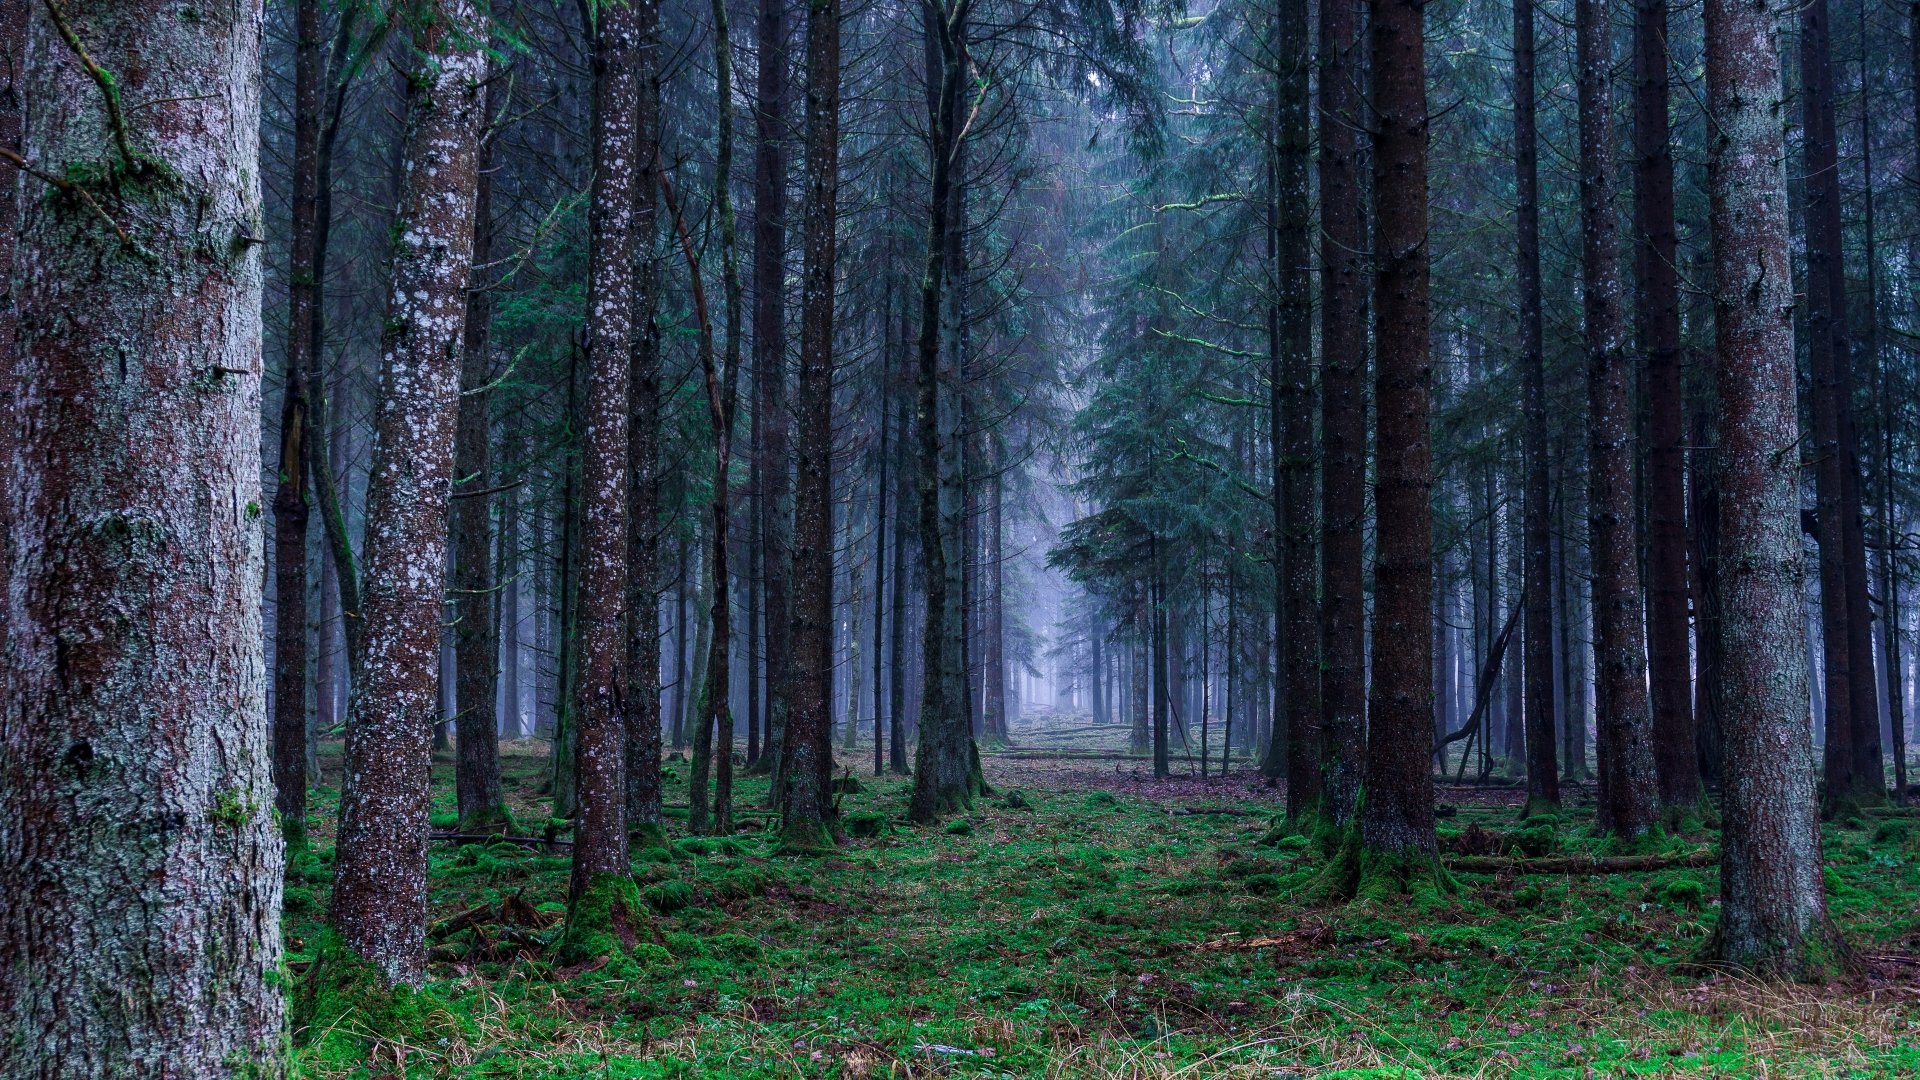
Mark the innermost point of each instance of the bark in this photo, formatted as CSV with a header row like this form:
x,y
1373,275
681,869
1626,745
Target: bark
x,y
290,495
880,540
722,385
477,791
994,662
808,819
771,119
1397,819
1853,766
1628,795
897,616
1292,405
380,863
943,773
1773,912
1343,410
140,866
642,735
1669,660
602,686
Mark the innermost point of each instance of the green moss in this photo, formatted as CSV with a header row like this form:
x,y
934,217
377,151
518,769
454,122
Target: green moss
x,y
865,824
344,999
668,897
959,827
604,922
801,836
648,836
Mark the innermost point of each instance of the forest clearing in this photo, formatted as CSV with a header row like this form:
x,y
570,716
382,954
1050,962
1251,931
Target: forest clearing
x,y
1070,929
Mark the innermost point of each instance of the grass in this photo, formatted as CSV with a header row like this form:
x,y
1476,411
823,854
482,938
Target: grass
x,y
1092,933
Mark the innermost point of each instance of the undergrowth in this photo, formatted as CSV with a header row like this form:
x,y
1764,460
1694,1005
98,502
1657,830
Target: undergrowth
x,y
1074,933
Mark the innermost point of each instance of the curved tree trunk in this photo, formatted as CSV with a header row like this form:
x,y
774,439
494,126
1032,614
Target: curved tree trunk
x,y
380,864
139,863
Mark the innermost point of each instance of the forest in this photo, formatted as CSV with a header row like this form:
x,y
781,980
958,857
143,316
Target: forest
x,y
1135,539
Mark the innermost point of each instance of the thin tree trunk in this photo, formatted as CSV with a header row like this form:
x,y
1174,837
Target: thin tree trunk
x,y
808,821
290,496
1628,803
380,859
601,903
1773,916
1343,403
770,366
476,631
140,866
1543,777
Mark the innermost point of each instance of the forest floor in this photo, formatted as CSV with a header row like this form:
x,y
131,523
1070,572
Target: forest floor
x,y
1102,924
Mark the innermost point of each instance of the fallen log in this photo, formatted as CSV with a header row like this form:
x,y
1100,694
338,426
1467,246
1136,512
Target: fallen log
x,y
488,838
1584,864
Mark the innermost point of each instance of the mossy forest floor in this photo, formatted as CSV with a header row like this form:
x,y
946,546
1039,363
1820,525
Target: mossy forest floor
x,y
1100,925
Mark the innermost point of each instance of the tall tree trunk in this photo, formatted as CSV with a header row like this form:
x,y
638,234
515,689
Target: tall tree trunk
x,y
771,120
898,654
944,779
290,495
1343,405
380,860
1704,515
1669,661
1628,802
139,866
994,662
1773,916
1292,406
808,810
880,536
1397,822
1158,649
476,603
602,905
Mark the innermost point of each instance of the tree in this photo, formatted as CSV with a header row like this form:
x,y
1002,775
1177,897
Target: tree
x,y
1543,777
1773,908
140,866
1624,728
380,859
290,494
477,791
643,440
1343,411
1396,833
1292,425
1669,659
775,528
808,812
603,905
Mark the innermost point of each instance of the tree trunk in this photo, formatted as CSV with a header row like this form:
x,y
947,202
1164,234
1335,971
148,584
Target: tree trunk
x,y
943,773
1292,419
641,751
1669,661
1397,823
380,861
476,627
808,809
140,867
994,662
1628,797
1773,912
290,495
897,651
771,122
1343,405
601,876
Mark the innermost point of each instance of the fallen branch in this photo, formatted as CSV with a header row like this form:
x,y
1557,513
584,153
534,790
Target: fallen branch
x,y
1585,864
488,838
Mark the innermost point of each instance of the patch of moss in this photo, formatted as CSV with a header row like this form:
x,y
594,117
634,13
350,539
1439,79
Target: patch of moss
x,y
344,999
865,824
668,897
605,921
